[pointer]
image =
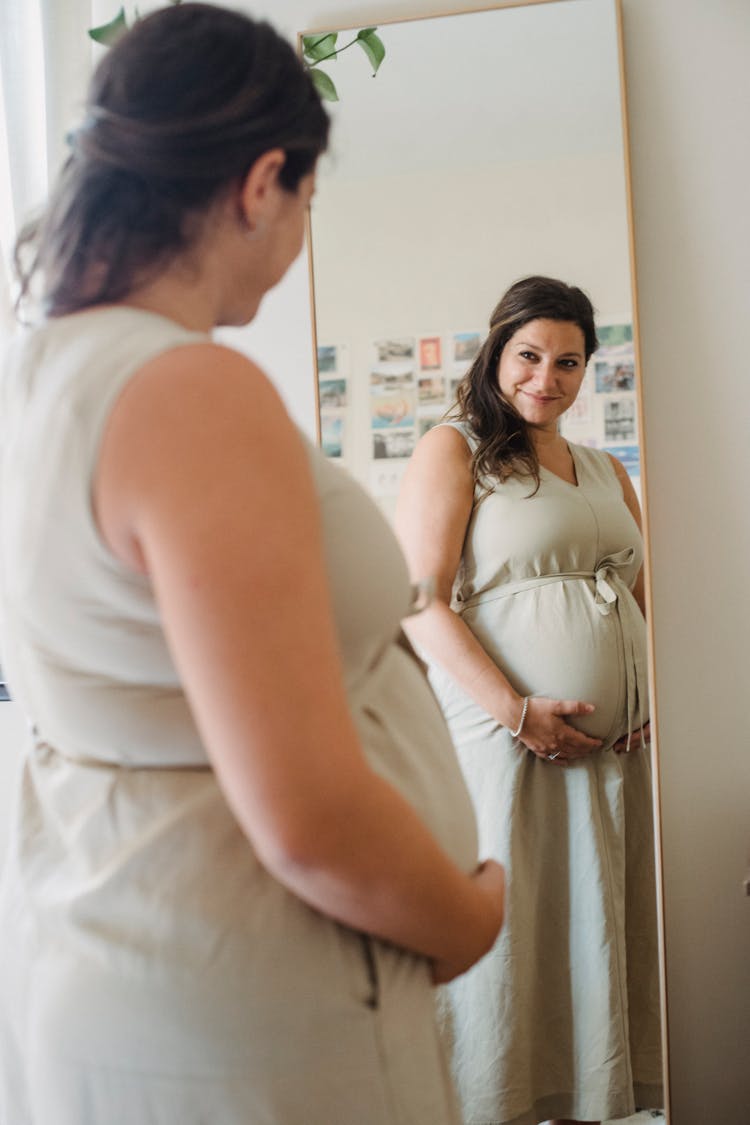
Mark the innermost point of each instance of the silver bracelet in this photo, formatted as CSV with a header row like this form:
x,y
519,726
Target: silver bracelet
x,y
515,733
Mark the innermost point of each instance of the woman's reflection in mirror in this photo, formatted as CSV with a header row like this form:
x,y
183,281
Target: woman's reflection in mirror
x,y
536,643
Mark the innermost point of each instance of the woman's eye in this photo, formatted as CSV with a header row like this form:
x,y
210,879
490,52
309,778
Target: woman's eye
x,y
528,355
569,363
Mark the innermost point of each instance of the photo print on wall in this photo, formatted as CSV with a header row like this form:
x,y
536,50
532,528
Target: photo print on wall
x,y
333,397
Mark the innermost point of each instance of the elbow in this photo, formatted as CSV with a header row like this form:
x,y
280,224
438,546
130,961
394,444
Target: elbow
x,y
420,627
296,843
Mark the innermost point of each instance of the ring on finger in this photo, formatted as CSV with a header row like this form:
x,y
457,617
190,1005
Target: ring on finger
x,y
551,757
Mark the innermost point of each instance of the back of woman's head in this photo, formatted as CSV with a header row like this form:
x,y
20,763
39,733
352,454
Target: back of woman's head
x,y
177,112
504,443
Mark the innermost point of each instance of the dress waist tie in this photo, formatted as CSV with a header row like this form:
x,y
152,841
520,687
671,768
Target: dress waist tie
x,y
40,747
607,587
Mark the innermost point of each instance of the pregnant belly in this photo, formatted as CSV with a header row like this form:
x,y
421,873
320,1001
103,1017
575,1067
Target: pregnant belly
x,y
407,742
552,641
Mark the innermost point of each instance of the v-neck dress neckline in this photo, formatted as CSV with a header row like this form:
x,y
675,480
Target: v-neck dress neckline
x,y
577,468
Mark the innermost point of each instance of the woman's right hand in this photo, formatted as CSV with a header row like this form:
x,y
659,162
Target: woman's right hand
x,y
547,734
489,881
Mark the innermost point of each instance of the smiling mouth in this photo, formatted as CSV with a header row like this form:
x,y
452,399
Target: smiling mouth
x,y
542,398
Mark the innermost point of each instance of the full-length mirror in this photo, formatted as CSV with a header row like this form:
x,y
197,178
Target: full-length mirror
x,y
488,147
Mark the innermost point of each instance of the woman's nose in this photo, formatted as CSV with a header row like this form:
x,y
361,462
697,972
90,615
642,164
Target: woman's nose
x,y
545,374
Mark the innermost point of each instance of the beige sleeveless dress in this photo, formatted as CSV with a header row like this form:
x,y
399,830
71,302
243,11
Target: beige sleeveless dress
x,y
562,1018
151,971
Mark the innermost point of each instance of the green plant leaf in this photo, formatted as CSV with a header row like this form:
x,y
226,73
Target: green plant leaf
x,y
373,47
317,47
324,85
108,33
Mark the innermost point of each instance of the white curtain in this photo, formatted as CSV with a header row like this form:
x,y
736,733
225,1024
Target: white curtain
x,y
45,60
23,125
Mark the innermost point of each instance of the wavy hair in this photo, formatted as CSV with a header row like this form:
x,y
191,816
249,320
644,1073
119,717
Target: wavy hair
x,y
504,444
177,111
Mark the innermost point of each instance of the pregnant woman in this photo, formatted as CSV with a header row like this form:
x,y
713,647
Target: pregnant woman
x,y
536,644
242,850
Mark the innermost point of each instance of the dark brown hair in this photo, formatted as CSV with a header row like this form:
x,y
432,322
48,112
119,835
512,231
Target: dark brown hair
x,y
177,112
504,444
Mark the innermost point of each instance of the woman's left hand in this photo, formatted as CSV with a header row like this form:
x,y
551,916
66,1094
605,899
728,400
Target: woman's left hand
x,y
638,738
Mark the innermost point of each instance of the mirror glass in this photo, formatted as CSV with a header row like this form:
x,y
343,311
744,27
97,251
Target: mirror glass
x,y
489,146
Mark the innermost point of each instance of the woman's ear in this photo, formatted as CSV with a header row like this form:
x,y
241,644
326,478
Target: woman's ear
x,y
258,190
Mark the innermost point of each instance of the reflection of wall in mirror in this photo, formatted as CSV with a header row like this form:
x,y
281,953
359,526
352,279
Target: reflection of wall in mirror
x,y
605,414
447,233
470,279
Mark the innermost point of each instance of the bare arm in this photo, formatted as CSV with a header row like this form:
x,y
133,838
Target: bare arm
x,y
432,516
631,500
217,505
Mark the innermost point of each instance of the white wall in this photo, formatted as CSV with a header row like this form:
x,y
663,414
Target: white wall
x,y
689,94
441,248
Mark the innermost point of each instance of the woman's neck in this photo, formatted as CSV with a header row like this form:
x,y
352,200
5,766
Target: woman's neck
x,y
171,296
546,441
200,288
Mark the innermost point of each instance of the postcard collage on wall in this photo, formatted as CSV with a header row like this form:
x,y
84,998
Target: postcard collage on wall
x,y
411,382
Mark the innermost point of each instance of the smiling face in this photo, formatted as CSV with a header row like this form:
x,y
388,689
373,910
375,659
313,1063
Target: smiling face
x,y
540,370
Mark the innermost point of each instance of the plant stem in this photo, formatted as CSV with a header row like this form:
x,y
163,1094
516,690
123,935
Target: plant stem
x,y
334,53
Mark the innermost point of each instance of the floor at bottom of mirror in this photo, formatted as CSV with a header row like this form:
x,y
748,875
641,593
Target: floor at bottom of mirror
x,y
645,1117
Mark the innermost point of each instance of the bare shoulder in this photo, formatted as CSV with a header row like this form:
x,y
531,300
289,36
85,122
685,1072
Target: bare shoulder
x,y
441,467
620,471
204,369
435,502
617,465
206,422
202,393
443,446
446,437
628,491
